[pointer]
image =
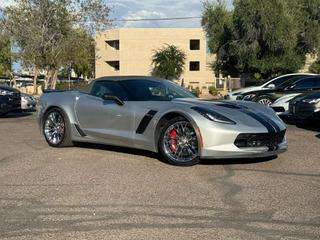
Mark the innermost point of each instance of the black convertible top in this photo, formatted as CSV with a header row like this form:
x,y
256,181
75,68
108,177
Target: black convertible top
x,y
130,77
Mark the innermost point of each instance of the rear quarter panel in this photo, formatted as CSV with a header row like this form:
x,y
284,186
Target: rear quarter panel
x,y
63,100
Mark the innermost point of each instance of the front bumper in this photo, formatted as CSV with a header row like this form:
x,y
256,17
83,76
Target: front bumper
x,y
221,143
213,153
304,110
28,106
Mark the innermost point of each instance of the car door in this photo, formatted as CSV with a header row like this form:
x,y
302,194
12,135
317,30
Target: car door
x,y
106,120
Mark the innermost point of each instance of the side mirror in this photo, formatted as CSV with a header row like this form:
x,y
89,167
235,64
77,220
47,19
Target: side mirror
x,y
271,86
113,98
289,87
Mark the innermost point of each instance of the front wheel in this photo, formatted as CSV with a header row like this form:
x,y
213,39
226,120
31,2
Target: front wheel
x,y
178,143
265,101
56,128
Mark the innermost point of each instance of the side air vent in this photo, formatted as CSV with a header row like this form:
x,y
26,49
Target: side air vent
x,y
145,121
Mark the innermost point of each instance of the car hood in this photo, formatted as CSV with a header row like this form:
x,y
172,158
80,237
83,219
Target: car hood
x,y
11,89
307,96
243,112
286,98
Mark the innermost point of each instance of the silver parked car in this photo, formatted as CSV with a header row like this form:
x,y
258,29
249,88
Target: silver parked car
x,y
160,116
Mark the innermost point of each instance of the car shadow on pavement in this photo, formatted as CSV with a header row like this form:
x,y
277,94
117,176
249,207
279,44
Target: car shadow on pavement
x,y
232,161
118,149
311,125
17,115
149,154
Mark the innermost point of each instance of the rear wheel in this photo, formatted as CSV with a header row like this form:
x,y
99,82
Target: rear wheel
x,y
178,143
56,128
265,101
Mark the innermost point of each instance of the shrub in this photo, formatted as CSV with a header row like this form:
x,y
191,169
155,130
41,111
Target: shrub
x,y
212,90
196,91
315,67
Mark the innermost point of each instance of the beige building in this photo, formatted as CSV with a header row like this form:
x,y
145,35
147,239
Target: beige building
x,y
128,51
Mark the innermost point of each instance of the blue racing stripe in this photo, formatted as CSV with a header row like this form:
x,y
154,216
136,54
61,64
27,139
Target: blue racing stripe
x,y
261,120
268,123
273,123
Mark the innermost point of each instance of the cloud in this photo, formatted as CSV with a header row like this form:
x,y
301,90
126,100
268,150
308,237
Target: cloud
x,y
130,9
143,14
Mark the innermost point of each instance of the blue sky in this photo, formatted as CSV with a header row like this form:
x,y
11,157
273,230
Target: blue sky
x,y
137,9
133,9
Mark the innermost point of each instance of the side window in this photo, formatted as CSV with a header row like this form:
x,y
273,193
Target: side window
x,y
277,82
304,84
101,88
317,83
145,90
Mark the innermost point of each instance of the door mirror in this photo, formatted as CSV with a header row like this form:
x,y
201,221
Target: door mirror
x,y
290,87
113,98
271,86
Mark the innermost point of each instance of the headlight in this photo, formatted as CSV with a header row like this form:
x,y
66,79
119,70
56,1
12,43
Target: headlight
x,y
5,92
312,100
249,97
213,115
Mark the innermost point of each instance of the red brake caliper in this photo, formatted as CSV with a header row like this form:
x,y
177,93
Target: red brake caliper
x,y
173,140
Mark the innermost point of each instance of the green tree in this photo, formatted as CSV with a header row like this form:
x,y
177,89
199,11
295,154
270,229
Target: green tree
x,y
265,37
315,67
5,56
307,14
44,31
168,62
81,53
217,23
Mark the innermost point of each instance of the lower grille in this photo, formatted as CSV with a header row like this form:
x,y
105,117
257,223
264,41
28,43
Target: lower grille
x,y
270,140
278,109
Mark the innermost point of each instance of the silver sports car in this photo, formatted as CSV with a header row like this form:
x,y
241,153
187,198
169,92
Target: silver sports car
x,y
160,116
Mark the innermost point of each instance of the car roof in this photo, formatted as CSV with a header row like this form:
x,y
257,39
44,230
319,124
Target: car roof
x,y
295,80
268,81
131,77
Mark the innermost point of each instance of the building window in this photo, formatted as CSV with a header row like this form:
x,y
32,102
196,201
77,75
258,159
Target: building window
x,y
114,64
194,66
114,44
194,44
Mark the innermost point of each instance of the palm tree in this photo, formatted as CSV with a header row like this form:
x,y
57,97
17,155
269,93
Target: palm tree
x,y
168,62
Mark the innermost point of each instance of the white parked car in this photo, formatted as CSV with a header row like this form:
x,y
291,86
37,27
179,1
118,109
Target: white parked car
x,y
273,83
281,105
28,102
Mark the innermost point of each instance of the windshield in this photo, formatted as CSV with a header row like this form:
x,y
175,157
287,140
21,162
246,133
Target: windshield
x,y
149,90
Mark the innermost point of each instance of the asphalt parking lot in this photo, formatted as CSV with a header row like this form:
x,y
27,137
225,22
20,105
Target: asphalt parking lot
x,y
100,192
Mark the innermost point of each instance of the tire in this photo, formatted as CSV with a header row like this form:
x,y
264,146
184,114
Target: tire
x,y
178,143
58,129
264,101
3,114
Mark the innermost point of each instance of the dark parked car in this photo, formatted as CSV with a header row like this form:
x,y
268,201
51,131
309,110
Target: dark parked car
x,y
10,100
293,85
305,106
